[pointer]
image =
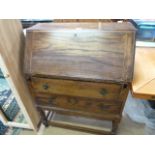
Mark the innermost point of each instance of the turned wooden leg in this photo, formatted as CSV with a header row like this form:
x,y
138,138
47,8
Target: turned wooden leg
x,y
114,126
44,118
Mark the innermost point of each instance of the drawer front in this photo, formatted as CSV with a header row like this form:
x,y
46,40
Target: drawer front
x,y
76,104
76,88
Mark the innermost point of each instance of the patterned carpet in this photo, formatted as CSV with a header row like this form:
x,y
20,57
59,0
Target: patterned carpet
x,y
9,107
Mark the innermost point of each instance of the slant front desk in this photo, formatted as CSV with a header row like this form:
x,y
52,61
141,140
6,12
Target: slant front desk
x,y
80,69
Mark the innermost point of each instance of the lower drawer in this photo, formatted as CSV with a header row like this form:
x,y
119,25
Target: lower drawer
x,y
78,104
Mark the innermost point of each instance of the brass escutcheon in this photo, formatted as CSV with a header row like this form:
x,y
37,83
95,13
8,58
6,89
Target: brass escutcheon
x,y
103,92
45,86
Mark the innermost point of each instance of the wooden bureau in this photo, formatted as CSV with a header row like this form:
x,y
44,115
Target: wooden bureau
x,y
80,69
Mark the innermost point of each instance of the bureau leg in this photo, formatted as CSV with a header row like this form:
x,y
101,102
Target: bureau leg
x,y
114,127
43,117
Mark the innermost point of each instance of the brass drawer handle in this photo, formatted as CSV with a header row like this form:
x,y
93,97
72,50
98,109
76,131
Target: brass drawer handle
x,y
103,92
104,107
52,100
45,86
73,101
153,97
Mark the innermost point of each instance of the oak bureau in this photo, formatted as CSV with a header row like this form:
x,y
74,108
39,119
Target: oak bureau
x,y
80,69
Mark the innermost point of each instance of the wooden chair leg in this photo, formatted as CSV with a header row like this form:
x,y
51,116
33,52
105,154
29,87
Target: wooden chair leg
x,y
114,126
43,116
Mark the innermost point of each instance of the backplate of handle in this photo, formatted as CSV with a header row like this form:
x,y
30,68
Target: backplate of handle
x,y
104,107
45,86
103,92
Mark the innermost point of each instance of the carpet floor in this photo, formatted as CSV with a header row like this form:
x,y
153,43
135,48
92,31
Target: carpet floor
x,y
9,107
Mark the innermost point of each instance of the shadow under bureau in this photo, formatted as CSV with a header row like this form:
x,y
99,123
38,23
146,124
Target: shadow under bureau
x,y
80,69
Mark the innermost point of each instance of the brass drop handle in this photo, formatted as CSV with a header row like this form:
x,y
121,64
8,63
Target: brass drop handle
x,y
104,107
45,86
52,100
103,92
72,100
153,97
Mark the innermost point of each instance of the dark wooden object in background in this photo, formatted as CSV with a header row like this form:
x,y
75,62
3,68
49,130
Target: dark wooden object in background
x,y
81,69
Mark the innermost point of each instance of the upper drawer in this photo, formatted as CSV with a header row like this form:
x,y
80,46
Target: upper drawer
x,y
76,88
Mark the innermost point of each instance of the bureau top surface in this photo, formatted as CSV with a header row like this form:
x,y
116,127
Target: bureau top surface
x,y
87,25
85,51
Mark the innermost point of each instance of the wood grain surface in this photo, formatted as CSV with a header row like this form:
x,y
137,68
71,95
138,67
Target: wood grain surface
x,y
79,104
87,51
144,73
76,88
81,20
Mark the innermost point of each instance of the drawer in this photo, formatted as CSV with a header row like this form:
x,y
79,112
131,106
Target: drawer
x,y
78,104
76,88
